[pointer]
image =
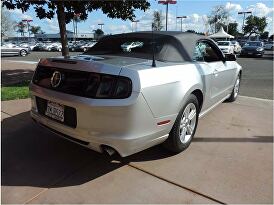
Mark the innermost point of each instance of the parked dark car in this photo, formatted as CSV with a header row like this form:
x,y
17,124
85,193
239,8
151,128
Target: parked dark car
x,y
39,47
76,47
253,48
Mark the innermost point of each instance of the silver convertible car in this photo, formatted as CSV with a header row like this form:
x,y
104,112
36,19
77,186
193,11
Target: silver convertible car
x,y
11,49
112,99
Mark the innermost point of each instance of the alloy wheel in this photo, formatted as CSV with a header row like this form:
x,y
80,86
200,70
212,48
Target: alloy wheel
x,y
23,53
188,123
237,87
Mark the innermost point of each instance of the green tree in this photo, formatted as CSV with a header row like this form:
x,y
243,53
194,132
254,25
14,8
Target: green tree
x,y
98,33
7,23
157,21
254,24
193,31
190,31
217,18
233,29
264,35
35,30
66,9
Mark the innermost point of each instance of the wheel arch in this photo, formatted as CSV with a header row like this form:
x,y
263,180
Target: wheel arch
x,y
195,90
200,97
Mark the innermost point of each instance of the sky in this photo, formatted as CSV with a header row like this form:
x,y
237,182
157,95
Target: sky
x,y
195,10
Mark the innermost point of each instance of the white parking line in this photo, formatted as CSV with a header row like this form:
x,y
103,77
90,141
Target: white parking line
x,y
27,62
254,98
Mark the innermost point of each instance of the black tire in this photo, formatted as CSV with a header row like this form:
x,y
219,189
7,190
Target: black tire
x,y
233,96
23,53
173,143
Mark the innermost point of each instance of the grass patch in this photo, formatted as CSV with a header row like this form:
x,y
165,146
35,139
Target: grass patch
x,y
16,91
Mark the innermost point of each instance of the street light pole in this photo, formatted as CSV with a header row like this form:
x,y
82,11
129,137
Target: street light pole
x,y
166,2
101,25
75,22
135,21
244,12
28,20
181,17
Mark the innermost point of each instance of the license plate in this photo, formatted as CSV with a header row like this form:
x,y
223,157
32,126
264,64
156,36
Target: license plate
x,y
250,53
55,111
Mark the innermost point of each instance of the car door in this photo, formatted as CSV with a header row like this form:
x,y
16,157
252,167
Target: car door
x,y
8,50
219,72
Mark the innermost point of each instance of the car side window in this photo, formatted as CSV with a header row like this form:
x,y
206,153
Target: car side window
x,y
209,52
198,55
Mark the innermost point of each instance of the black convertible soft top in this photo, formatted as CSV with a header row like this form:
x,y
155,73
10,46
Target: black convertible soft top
x,y
172,46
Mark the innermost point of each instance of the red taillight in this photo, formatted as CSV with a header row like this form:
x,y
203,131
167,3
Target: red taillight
x,y
109,87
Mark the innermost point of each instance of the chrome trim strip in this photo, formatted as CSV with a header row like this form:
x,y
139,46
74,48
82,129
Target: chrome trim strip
x,y
213,106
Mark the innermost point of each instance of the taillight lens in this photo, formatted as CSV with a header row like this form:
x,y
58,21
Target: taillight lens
x,y
109,87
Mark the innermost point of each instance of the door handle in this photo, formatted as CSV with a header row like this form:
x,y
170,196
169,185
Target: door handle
x,y
215,72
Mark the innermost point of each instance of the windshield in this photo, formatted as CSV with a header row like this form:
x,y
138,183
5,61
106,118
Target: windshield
x,y
253,43
223,43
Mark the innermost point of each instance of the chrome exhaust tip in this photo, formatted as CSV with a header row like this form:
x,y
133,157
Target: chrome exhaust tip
x,y
109,150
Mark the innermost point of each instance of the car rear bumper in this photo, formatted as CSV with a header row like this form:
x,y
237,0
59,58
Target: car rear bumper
x,y
127,125
259,53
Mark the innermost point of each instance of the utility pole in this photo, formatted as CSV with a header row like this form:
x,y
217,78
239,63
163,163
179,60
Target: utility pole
x,y
244,12
135,21
166,2
181,17
101,25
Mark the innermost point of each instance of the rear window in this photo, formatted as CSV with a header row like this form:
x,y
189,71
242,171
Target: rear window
x,y
165,48
253,44
123,46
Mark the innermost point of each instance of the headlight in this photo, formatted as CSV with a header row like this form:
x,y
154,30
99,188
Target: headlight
x,y
259,49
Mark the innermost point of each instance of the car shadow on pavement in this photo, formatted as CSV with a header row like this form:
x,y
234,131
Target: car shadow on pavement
x,y
265,57
32,156
257,139
10,77
35,157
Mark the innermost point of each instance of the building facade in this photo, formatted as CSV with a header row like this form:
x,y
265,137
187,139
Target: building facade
x,y
70,36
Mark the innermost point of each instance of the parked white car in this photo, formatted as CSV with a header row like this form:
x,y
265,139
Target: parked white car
x,y
237,46
226,47
269,45
53,47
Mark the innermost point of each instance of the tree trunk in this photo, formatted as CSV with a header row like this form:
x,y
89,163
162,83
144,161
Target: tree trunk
x,y
62,26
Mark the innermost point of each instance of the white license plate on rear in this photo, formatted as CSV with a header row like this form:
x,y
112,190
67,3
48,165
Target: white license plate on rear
x,y
55,111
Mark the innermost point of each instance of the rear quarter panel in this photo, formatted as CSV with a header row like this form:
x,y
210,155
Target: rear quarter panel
x,y
167,88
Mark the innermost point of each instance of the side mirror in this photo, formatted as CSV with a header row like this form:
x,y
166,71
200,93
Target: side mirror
x,y
230,57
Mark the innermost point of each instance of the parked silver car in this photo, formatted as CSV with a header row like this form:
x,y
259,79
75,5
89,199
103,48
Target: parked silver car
x,y
112,99
12,49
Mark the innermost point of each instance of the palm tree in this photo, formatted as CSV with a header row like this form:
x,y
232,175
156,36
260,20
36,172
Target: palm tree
x,y
21,28
35,30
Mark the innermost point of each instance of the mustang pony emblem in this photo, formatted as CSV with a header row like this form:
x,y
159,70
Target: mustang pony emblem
x,y
56,79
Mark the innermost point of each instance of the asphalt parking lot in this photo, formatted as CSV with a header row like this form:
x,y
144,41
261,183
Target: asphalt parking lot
x,y
257,79
230,160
